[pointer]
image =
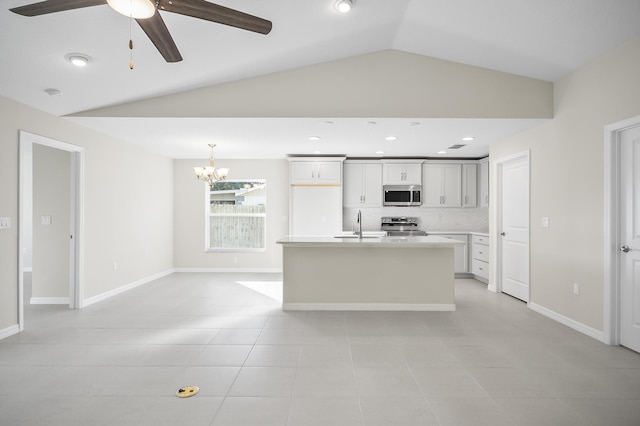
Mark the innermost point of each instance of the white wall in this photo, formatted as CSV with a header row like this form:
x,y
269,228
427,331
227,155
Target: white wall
x,y
567,182
128,206
389,83
189,215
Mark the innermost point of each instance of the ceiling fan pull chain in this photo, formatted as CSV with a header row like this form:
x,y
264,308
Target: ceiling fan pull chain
x,y
131,42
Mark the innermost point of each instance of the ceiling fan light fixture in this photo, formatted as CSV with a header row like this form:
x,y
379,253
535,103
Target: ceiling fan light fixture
x,y
138,9
344,6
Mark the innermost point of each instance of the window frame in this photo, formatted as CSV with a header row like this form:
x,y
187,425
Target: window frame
x,y
208,215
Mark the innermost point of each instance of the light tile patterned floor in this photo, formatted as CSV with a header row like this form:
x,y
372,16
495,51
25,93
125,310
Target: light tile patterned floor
x,y
492,362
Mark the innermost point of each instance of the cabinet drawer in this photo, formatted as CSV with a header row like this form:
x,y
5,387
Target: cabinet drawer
x,y
480,252
480,268
478,239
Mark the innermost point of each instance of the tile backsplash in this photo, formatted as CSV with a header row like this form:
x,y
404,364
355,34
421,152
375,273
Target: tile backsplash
x,y
431,219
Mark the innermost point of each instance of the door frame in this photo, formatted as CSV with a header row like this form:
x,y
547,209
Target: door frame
x,y
495,284
76,246
612,227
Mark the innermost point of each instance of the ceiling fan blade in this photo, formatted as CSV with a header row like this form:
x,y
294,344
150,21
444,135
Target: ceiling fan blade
x,y
52,6
215,13
158,33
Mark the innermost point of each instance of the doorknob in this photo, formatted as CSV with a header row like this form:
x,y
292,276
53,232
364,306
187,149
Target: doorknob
x,y
625,249
503,233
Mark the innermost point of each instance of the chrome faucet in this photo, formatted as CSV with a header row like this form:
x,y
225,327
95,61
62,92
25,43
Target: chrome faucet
x,y
359,221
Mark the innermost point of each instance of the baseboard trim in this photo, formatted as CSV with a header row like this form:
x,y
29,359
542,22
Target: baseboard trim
x,y
232,270
368,307
9,331
49,301
578,326
107,294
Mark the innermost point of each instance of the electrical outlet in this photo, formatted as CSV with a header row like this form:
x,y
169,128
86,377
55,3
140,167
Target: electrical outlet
x,y
576,289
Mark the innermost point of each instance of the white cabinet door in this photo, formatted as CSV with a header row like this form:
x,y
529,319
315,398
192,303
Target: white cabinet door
x,y
469,185
372,185
413,174
302,172
484,184
451,185
402,173
328,172
316,172
363,184
431,185
441,185
353,175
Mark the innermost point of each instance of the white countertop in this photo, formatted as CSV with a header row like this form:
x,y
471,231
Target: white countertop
x,y
430,241
481,233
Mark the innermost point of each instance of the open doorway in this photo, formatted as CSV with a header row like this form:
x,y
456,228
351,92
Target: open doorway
x,y
50,221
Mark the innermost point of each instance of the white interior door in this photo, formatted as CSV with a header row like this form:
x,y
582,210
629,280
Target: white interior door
x,y
513,236
630,239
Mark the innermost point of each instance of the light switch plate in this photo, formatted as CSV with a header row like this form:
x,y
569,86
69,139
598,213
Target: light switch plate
x,y
545,222
46,220
5,222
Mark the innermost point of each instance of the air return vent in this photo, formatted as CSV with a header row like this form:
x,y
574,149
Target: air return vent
x,y
456,146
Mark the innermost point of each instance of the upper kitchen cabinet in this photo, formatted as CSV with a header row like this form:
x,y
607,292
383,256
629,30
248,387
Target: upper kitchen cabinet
x,y
469,185
404,173
362,184
484,182
441,185
312,172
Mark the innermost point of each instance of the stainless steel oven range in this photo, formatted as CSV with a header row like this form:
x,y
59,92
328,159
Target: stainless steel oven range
x,y
401,226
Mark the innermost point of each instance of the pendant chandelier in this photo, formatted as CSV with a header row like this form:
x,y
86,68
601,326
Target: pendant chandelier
x,y
209,173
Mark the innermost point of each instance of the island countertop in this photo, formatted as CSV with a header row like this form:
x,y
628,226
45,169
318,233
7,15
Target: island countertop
x,y
429,241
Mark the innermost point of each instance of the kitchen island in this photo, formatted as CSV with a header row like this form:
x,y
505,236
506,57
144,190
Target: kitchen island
x,y
375,273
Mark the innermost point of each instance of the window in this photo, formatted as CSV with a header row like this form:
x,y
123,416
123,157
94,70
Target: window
x,y
236,215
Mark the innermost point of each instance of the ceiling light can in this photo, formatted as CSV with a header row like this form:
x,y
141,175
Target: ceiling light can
x,y
343,6
78,59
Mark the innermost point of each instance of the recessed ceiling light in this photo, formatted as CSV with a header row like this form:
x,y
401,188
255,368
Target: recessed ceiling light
x,y
414,123
379,152
371,123
468,138
343,6
390,138
316,152
328,122
78,59
442,152
314,138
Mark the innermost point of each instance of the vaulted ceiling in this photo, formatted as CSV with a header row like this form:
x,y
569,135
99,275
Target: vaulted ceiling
x,y
542,39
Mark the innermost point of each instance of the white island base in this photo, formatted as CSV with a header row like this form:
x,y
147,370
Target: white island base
x,y
415,274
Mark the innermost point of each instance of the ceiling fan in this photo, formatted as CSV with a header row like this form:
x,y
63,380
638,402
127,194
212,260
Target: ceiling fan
x,y
146,13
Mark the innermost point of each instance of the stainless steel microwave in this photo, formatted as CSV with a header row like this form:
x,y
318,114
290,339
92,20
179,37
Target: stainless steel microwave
x,y
402,195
